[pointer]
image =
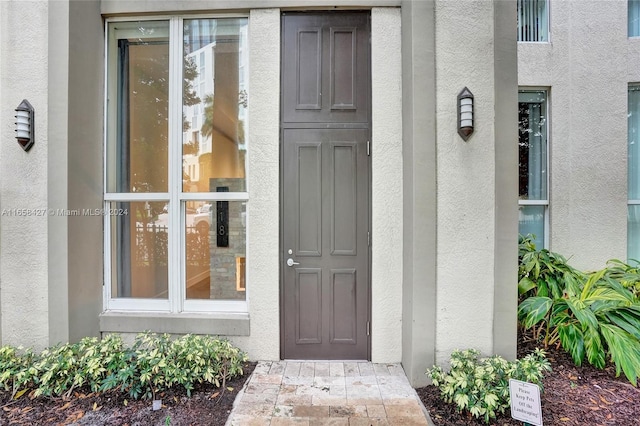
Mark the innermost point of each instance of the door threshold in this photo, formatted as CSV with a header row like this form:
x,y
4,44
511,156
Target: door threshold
x,y
325,360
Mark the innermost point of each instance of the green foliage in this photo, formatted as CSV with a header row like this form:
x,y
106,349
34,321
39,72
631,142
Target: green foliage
x,y
481,385
154,363
591,315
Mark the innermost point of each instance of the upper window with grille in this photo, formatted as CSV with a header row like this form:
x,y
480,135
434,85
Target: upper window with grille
x,y
533,20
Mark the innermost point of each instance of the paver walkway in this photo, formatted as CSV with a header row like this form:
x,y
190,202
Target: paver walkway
x,y
327,393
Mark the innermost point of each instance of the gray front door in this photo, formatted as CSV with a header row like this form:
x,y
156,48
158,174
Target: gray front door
x,y
325,121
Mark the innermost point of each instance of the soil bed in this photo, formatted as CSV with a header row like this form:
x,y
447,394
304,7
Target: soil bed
x,y
572,396
208,405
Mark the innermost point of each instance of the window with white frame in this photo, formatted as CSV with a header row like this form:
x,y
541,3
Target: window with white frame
x,y
633,18
533,164
633,170
533,20
175,171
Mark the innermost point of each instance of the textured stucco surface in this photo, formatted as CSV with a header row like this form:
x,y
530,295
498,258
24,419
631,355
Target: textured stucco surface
x,y
386,153
263,211
505,292
465,179
84,72
587,67
419,190
23,176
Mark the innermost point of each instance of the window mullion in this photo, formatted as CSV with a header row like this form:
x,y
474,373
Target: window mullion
x,y
175,165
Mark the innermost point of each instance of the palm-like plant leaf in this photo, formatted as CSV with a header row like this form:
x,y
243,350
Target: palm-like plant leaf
x,y
572,341
624,351
525,285
627,319
583,314
533,309
593,347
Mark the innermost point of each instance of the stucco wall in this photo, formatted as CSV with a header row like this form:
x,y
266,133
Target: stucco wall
x,y
23,176
586,66
263,184
419,189
465,178
386,153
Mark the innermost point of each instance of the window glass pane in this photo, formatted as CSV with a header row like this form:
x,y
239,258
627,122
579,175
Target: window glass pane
x,y
633,18
215,250
633,232
533,22
139,249
214,103
532,145
138,122
633,139
531,221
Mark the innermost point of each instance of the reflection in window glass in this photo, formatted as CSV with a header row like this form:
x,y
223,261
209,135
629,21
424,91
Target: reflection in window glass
x,y
139,141
633,171
633,232
214,102
633,18
139,251
532,146
533,163
141,161
216,249
531,221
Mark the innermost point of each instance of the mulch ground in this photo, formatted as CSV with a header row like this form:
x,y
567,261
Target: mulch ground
x,y
208,405
572,396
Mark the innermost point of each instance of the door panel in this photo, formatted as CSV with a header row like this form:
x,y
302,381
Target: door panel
x,y
309,68
344,202
326,296
327,56
308,195
325,122
308,307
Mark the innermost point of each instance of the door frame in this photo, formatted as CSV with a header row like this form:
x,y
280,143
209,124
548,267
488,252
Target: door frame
x,y
281,258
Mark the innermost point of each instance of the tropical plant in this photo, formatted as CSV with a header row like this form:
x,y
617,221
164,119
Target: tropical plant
x,y
544,273
590,315
627,274
481,385
151,365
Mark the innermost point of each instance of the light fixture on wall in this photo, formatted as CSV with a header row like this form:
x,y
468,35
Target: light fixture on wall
x,y
465,113
24,125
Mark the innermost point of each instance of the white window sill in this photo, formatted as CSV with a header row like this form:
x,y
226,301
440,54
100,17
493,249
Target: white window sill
x,y
218,324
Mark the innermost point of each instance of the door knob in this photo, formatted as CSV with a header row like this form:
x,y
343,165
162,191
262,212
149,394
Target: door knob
x,y
290,262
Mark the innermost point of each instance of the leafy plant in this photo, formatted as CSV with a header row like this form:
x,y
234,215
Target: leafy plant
x,y
544,273
481,385
591,315
151,365
14,368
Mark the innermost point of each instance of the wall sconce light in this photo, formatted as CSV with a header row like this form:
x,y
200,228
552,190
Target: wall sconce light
x,y
465,113
24,125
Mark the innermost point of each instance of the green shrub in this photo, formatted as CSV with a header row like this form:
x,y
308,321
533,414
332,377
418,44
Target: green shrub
x,y
591,315
544,273
154,363
14,368
481,385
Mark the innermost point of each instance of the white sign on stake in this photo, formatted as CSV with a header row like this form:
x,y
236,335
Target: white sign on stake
x,y
525,402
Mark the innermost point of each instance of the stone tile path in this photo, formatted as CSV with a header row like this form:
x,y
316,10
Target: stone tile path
x,y
327,393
